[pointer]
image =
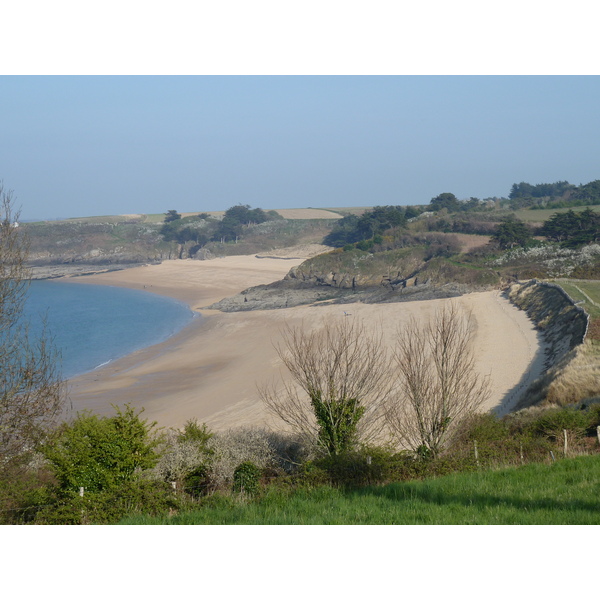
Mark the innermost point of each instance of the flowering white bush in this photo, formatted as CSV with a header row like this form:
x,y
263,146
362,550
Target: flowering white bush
x,y
236,446
178,458
559,262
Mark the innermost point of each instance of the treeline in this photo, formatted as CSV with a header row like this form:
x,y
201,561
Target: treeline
x,y
197,230
387,227
573,229
561,194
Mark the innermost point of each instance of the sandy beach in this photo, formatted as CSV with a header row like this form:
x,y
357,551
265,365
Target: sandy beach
x,y
211,369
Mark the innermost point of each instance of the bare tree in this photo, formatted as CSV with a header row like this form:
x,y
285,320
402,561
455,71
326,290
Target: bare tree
x,y
438,385
340,376
31,396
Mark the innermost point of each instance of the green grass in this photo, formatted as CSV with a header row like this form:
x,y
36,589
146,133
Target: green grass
x,y
586,290
563,493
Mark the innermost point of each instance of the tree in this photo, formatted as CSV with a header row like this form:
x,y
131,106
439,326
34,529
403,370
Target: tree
x,y
573,229
171,215
341,376
190,233
100,453
351,229
234,220
438,385
512,233
31,394
446,200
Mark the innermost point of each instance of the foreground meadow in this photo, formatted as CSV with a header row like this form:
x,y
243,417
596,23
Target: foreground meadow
x,y
566,492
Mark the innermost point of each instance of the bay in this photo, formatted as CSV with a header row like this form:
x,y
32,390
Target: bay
x,y
93,325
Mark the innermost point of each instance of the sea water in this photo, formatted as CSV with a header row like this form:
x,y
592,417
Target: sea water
x,y
93,325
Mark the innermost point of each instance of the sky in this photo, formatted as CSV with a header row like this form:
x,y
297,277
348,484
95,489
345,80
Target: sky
x,y
99,145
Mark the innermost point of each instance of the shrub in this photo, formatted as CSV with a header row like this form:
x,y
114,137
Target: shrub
x,y
110,505
185,454
371,465
197,482
246,478
99,453
552,422
484,428
231,448
193,432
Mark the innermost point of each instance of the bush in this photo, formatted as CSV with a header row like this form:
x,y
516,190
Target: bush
x,y
99,453
370,465
111,505
236,446
185,454
551,423
197,482
484,428
246,478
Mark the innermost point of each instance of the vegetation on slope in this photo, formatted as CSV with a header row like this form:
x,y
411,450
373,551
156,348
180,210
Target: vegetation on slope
x,y
250,475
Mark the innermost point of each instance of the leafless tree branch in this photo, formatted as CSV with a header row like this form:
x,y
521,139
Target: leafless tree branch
x,y
438,386
340,374
31,397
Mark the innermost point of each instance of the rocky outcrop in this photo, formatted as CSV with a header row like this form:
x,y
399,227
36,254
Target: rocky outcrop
x,y
291,292
340,277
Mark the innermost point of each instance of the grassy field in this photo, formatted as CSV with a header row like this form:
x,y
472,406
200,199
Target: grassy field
x,y
286,213
587,291
539,216
563,493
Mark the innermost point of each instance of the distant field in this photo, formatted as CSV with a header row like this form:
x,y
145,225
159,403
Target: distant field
x,y
585,290
308,213
286,213
539,216
469,241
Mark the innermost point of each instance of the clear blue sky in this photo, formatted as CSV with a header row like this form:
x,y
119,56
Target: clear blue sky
x,y
98,145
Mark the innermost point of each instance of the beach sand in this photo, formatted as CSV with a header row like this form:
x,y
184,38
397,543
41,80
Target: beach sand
x,y
210,370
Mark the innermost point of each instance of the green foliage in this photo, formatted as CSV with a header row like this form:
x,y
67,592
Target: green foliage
x,y
446,200
196,228
512,233
337,419
551,423
352,229
110,505
171,215
573,229
198,434
485,428
197,482
588,194
371,465
100,453
234,220
541,190
246,478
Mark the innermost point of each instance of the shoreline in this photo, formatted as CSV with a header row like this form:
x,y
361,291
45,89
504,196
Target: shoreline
x,y
210,370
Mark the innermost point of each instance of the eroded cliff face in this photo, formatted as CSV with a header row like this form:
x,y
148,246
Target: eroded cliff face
x,y
563,322
572,367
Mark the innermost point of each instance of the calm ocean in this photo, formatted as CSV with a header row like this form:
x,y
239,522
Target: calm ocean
x,y
93,325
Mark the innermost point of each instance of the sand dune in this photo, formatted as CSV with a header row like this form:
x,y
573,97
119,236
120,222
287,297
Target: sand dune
x,y
211,369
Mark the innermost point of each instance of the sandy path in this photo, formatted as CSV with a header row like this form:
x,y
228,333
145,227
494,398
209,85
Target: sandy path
x,y
212,368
